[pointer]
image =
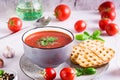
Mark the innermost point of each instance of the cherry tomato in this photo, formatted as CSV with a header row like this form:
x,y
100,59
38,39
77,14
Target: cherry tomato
x,y
106,5
50,73
111,14
103,23
62,12
112,29
80,26
1,63
67,73
15,24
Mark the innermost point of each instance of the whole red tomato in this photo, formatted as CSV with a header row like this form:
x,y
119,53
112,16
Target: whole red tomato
x,y
49,73
67,73
15,24
111,14
112,29
62,12
103,22
80,26
106,5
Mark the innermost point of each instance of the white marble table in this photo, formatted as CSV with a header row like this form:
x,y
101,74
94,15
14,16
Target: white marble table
x,y
91,17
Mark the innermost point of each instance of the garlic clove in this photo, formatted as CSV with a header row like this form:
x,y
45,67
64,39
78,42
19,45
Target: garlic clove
x,y
8,52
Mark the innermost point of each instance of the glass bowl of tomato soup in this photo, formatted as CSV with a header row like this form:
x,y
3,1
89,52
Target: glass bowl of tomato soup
x,y
48,46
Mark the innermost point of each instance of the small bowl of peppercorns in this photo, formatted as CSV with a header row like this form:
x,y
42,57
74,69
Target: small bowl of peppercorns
x,y
6,74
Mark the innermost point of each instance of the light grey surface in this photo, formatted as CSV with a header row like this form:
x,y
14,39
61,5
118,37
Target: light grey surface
x,y
14,41
91,17
49,5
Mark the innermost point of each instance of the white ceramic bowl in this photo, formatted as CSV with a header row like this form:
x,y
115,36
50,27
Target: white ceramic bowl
x,y
51,57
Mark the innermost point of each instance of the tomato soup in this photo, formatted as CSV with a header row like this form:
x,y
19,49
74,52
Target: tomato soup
x,y
48,39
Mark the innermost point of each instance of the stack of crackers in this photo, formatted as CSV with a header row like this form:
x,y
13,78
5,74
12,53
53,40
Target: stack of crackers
x,y
91,53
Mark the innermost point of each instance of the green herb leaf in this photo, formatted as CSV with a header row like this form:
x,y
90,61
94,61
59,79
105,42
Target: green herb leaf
x,y
1,72
46,41
43,39
89,71
51,39
79,71
78,74
96,33
85,71
81,37
95,36
86,33
98,38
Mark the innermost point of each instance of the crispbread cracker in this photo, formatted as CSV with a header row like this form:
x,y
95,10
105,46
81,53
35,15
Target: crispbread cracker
x,y
104,53
74,54
91,53
87,58
91,43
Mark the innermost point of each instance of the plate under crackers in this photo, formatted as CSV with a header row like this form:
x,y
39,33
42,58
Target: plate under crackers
x,y
32,70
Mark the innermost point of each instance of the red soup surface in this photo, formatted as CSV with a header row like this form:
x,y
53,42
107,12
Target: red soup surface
x,y
48,39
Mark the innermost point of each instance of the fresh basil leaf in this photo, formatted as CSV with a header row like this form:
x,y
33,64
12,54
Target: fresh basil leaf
x,y
95,36
44,43
47,40
81,37
98,38
43,39
78,74
89,71
79,71
1,73
51,39
96,33
86,33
